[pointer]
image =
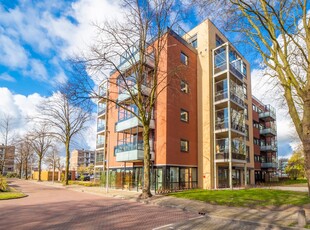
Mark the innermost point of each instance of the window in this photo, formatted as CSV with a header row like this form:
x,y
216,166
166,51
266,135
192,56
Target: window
x,y
184,145
184,58
256,158
244,69
245,90
184,115
256,125
219,41
193,41
246,112
256,141
184,86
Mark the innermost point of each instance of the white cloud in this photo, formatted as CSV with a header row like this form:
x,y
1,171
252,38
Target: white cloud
x,y
12,54
59,79
7,77
36,70
23,107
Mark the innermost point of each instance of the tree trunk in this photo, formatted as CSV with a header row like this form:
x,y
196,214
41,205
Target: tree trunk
x,y
306,137
67,162
20,170
26,170
40,162
146,191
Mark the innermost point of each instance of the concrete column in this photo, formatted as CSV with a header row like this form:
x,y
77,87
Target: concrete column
x,y
245,175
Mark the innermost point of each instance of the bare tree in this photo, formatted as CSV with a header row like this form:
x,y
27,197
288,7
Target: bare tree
x,y
52,159
41,141
133,49
25,150
6,132
280,32
64,119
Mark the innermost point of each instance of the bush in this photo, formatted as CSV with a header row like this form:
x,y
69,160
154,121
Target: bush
x,y
11,175
3,184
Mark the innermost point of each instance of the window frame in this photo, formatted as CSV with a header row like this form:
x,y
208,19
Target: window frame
x,y
183,58
187,115
187,145
186,90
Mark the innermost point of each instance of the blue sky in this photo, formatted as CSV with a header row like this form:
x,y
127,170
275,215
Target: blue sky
x,y
38,37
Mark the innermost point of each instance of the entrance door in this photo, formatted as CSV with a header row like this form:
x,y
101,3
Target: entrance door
x,y
223,181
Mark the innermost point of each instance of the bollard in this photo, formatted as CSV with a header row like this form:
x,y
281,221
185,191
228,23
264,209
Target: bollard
x,y
302,218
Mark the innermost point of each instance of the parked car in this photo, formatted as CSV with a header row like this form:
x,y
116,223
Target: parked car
x,y
85,177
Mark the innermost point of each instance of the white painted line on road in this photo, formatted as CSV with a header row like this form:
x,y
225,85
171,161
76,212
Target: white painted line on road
x,y
165,226
194,218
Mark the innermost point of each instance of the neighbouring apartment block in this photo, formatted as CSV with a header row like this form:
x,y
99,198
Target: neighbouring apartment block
x,y
81,157
265,141
7,156
202,125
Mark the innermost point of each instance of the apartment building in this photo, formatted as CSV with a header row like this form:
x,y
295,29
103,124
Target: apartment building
x,y
265,141
202,125
81,157
7,155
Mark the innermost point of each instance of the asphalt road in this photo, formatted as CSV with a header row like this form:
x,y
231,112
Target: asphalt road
x,y
48,207
59,208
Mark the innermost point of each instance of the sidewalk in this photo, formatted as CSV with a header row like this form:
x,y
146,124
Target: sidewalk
x,y
285,216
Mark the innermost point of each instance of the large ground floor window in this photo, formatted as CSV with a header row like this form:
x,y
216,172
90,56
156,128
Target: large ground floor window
x,y
163,178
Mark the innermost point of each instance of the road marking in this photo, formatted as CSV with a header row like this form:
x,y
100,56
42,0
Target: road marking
x,y
162,227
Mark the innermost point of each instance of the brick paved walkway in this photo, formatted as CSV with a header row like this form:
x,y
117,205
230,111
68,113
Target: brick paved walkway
x,y
49,207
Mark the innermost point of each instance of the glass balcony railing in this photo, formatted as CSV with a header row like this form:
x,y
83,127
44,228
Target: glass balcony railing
x,y
268,131
234,96
100,145
240,127
221,95
100,128
269,165
268,112
222,149
220,61
235,68
268,147
221,124
236,65
101,110
137,145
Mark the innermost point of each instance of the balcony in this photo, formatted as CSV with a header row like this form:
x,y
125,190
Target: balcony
x,y
268,147
131,58
269,113
132,151
100,128
222,150
100,145
131,123
101,111
239,127
268,131
130,88
236,66
269,165
237,99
